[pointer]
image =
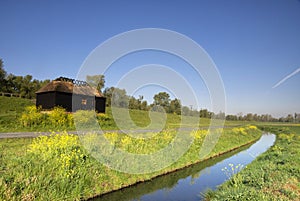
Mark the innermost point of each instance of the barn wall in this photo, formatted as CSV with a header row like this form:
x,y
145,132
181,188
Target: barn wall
x,y
78,100
45,100
70,102
64,100
100,104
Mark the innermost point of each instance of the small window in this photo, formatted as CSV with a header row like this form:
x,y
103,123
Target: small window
x,y
83,101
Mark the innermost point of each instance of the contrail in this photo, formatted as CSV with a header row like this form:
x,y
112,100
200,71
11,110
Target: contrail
x,y
285,78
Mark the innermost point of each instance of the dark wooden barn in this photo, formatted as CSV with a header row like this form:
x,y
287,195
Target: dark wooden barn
x,y
71,95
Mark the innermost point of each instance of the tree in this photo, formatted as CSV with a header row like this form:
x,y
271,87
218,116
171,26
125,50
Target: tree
x,y
108,94
220,115
96,81
231,117
175,106
2,76
144,105
289,118
204,113
186,111
116,97
134,103
249,117
26,86
162,99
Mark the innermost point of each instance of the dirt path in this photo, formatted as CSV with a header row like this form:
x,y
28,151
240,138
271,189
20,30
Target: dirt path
x,y
36,134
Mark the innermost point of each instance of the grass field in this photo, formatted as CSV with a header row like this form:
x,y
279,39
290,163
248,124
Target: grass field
x,y
11,109
275,175
59,168
69,172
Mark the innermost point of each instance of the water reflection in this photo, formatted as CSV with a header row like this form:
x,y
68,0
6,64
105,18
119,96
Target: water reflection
x,y
187,184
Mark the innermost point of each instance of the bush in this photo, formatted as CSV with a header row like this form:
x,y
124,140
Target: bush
x,y
59,118
32,116
85,119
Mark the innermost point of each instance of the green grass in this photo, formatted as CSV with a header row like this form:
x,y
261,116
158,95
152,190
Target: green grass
x,y
274,175
53,168
13,104
11,109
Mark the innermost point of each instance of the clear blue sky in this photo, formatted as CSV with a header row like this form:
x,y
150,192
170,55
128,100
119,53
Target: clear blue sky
x,y
253,43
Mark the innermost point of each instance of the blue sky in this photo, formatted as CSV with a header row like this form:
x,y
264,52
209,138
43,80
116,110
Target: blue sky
x,y
254,44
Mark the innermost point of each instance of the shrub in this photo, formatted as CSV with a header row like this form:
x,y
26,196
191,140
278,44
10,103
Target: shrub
x,y
32,116
85,119
59,118
103,117
106,121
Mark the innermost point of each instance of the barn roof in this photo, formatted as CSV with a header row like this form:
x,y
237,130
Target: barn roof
x,y
70,87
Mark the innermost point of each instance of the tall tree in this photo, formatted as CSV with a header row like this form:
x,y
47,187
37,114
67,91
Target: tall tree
x,y
175,106
116,97
108,94
96,81
162,99
2,76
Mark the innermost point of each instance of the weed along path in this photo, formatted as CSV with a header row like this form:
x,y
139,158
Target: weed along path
x,y
186,184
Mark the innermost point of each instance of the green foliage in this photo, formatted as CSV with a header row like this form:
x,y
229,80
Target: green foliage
x,y
14,105
24,86
162,99
10,112
231,173
85,119
32,117
59,118
2,76
106,121
96,81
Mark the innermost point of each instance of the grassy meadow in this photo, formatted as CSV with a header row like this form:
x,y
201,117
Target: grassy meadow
x,y
16,116
59,167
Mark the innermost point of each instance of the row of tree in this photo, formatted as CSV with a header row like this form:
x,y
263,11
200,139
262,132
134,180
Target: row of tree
x,y
118,98
23,86
263,117
26,87
162,102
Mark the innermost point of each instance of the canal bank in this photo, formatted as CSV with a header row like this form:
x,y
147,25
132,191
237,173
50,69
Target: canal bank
x,y
190,182
274,175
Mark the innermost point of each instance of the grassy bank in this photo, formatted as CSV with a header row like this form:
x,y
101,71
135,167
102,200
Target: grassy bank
x,y
59,168
275,175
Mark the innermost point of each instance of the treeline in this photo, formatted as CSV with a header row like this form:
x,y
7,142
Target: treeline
x,y
23,86
26,87
118,98
162,102
264,118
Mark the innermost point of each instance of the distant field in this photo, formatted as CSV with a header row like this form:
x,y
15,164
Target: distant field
x,y
11,109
